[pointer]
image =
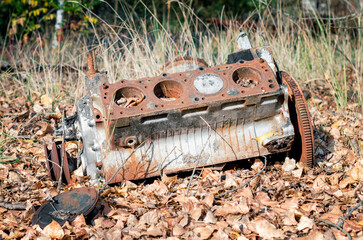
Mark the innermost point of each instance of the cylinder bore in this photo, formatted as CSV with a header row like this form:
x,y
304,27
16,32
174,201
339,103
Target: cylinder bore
x,y
168,90
246,77
128,97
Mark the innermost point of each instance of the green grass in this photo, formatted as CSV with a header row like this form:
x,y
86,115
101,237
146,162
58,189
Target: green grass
x,y
312,57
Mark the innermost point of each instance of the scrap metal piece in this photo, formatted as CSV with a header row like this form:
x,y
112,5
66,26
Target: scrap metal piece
x,y
243,41
191,114
183,64
303,147
53,163
66,207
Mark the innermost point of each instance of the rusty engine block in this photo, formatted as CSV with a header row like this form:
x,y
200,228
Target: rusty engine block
x,y
192,115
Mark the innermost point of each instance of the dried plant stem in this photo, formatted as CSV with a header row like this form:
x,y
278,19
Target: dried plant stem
x,y
13,206
337,227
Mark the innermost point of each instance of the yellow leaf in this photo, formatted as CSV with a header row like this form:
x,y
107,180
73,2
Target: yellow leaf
x,y
46,101
261,138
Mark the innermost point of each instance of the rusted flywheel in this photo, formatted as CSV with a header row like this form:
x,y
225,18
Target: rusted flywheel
x,y
303,147
54,156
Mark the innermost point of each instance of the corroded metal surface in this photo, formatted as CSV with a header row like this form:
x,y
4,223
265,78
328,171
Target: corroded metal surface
x,y
304,146
183,64
53,162
66,207
191,115
178,91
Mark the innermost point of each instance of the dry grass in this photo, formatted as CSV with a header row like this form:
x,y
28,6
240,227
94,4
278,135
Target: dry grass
x,y
134,50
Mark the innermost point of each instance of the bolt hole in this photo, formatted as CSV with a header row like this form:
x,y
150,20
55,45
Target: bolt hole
x,y
202,98
242,91
271,86
105,87
121,112
201,68
104,97
162,105
223,95
142,109
122,81
262,61
98,116
270,81
266,70
145,86
182,102
196,99
241,61
185,80
164,74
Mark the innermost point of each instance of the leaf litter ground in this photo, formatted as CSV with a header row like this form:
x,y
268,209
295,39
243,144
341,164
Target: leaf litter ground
x,y
285,201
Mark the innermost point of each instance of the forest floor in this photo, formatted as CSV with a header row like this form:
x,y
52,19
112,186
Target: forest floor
x,y
285,201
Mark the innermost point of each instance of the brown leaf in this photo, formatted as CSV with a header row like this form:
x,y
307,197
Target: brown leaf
x,y
150,218
333,216
289,218
196,213
79,221
154,231
357,171
304,223
4,171
168,180
289,164
220,235
178,230
204,232
265,229
352,226
264,199
240,207
345,182
209,200
209,217
54,230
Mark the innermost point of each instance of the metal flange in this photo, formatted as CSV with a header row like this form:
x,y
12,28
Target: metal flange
x,y
303,147
66,206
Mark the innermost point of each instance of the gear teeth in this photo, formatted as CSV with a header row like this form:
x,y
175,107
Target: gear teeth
x,y
305,129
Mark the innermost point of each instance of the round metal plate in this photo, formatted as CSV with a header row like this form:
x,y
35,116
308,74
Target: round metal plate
x,y
182,64
303,147
208,83
66,207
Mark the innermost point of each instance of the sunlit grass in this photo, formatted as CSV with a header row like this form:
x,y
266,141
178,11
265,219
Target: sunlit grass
x,y
134,50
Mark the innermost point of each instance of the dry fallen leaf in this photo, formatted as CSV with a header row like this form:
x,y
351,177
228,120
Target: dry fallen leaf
x,y
178,230
289,164
265,229
204,232
304,223
54,230
46,101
